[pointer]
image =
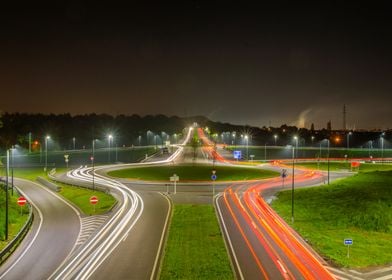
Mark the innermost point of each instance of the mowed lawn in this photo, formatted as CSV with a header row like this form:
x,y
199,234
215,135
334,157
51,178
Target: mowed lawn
x,y
195,247
358,207
193,173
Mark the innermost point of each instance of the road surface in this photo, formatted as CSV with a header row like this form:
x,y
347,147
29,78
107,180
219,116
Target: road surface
x,y
53,235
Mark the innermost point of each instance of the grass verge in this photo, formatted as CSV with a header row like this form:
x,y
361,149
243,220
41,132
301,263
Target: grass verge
x,y
336,166
80,197
193,173
17,217
195,248
358,207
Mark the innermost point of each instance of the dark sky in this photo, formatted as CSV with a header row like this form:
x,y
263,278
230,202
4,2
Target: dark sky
x,y
239,63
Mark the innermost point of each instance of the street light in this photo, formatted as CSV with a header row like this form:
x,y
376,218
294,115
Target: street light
x,y
292,186
247,150
382,147
46,152
348,140
110,138
370,147
312,138
74,143
275,137
327,159
296,145
92,163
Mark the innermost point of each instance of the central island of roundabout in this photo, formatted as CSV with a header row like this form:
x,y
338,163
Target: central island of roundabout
x,y
193,173
195,247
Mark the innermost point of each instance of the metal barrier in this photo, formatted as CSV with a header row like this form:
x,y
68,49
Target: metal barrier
x,y
6,252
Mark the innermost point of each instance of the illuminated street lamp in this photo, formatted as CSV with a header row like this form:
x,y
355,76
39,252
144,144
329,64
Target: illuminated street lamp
x,y
110,138
296,145
312,138
247,149
46,152
234,134
328,142
140,140
292,185
382,147
348,139
92,163
74,143
370,147
275,137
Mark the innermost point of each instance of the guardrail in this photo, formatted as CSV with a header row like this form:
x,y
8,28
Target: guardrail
x,y
7,251
82,184
48,184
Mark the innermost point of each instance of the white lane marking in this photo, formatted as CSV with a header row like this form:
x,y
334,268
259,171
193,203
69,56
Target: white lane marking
x,y
228,237
34,238
80,223
162,238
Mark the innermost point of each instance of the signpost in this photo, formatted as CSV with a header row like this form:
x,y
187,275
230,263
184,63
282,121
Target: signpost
x,y
21,202
213,178
348,242
283,175
237,155
66,159
174,179
252,157
94,200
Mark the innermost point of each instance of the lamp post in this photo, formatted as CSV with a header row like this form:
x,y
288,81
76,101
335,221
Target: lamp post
x,y
247,150
348,140
312,138
292,187
6,195
12,168
328,161
74,143
46,152
275,137
234,134
140,139
370,147
155,137
92,163
296,145
382,147
110,138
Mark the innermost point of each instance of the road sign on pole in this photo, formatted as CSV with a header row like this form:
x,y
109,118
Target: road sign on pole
x,y
237,155
283,175
348,242
94,200
174,179
21,201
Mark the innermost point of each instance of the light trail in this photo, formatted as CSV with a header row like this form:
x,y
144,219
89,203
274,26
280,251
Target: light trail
x,y
98,248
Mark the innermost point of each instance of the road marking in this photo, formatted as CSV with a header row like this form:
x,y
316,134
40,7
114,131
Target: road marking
x,y
228,237
162,237
35,236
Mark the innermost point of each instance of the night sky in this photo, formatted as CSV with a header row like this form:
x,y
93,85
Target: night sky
x,y
241,63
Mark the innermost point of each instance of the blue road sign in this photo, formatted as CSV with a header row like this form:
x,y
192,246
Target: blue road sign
x,y
213,177
348,241
237,154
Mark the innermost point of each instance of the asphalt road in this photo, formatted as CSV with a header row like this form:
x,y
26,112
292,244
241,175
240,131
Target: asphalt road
x,y
53,236
139,254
